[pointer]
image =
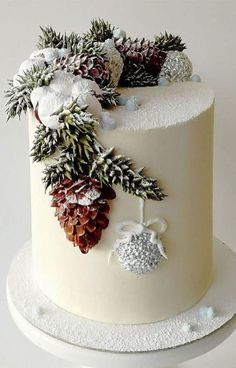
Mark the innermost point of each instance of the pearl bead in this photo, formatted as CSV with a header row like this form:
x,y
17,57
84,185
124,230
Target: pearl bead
x,y
163,82
131,105
107,122
208,312
187,327
122,100
119,33
196,78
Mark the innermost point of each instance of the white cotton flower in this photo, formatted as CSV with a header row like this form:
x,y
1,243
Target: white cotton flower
x,y
37,94
29,63
82,90
49,54
62,82
48,104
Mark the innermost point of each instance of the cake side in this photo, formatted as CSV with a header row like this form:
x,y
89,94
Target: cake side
x,y
95,288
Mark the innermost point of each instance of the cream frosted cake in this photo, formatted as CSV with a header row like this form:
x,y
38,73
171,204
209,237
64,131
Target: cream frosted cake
x,y
121,137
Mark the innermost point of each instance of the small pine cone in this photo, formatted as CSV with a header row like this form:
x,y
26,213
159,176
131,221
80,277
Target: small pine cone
x,y
82,208
93,67
140,53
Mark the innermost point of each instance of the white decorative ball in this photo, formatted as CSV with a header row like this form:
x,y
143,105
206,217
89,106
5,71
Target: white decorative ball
x,y
107,122
163,82
208,312
131,105
177,67
196,78
119,33
187,327
38,311
122,100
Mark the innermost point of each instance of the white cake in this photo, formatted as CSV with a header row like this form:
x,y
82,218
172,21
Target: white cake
x,y
171,134
127,173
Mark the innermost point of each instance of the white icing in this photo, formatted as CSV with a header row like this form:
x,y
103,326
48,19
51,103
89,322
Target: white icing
x,y
163,106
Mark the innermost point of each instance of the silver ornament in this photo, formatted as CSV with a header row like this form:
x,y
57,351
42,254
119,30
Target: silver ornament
x,y
139,254
177,67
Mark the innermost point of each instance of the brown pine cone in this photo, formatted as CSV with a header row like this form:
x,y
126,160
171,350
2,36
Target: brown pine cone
x,y
93,67
82,208
142,58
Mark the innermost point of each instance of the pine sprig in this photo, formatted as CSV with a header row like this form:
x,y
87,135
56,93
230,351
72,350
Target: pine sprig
x,y
117,169
65,166
78,144
109,97
99,31
19,96
82,154
46,142
75,43
51,38
169,42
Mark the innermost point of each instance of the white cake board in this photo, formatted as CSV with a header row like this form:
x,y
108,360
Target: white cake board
x,y
51,330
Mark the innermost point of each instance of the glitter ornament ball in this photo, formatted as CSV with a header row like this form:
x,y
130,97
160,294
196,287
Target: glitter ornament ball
x,y
177,67
138,253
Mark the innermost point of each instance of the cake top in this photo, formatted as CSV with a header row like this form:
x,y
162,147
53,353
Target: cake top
x,y
160,107
71,83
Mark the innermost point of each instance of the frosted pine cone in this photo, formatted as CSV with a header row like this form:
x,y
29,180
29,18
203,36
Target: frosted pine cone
x,y
140,57
94,67
82,208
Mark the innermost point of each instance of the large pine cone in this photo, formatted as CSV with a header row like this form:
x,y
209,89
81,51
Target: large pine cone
x,y
82,208
94,67
140,57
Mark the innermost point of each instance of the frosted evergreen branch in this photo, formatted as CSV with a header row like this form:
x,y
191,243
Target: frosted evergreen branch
x,y
109,97
75,43
46,142
99,31
81,153
118,169
18,97
169,42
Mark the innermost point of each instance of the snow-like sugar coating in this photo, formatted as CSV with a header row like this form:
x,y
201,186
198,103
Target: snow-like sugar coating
x,y
163,106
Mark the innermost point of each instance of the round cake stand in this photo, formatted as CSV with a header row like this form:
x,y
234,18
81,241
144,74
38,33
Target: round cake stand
x,y
86,357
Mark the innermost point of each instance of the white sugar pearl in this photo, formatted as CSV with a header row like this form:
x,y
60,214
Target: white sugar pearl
x,y
196,78
131,105
187,327
119,33
122,100
208,312
107,122
38,311
163,82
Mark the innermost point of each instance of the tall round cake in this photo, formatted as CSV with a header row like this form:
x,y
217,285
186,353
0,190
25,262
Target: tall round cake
x,y
122,133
